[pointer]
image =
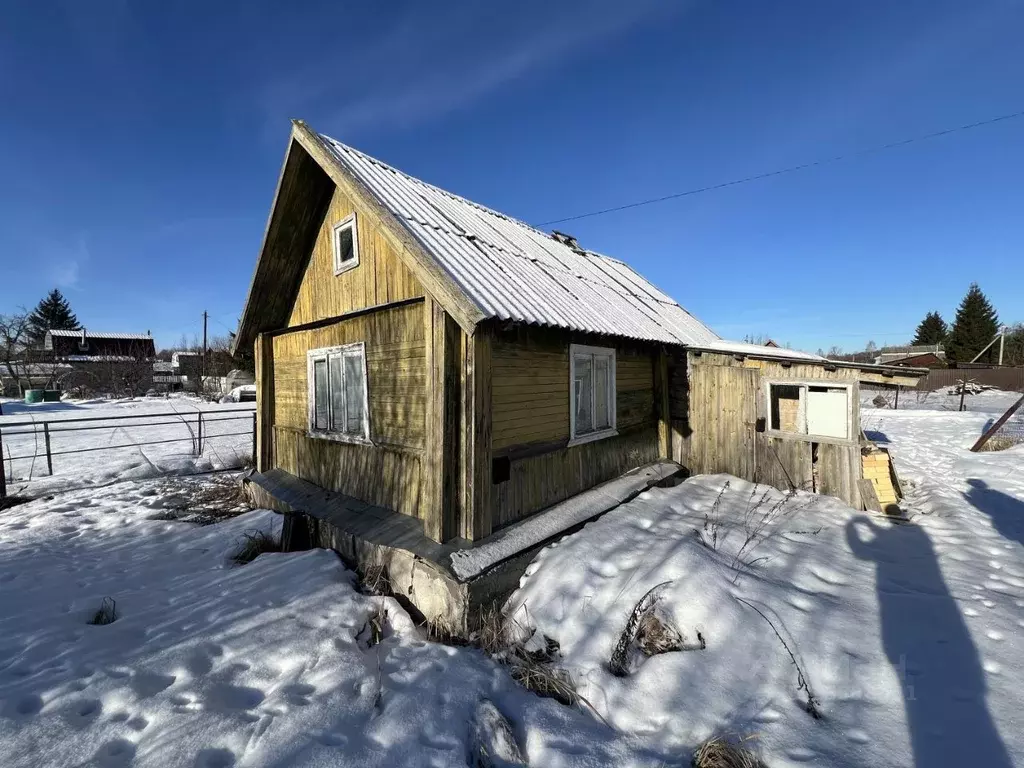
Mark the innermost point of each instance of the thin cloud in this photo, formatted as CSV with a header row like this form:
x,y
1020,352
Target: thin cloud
x,y
65,264
430,65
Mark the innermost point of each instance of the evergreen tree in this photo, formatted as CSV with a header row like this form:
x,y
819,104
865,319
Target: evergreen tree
x,y
975,326
932,330
52,313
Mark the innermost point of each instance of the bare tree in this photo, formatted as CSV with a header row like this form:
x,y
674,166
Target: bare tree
x,y
15,351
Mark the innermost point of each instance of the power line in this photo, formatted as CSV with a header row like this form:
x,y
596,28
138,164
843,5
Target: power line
x,y
790,169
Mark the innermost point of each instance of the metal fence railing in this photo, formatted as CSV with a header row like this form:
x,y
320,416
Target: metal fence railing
x,y
34,440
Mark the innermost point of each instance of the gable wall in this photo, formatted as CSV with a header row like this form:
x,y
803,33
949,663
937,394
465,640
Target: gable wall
x,y
387,473
380,278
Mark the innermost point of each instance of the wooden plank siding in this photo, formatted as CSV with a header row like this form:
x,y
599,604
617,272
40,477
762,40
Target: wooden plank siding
x,y
380,277
387,473
724,400
530,419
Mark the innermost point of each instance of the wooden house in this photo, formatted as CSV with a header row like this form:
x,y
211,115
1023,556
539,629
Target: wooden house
x,y
435,368
84,346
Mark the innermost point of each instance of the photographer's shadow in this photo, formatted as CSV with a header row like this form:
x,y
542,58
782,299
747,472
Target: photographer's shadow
x,y
930,649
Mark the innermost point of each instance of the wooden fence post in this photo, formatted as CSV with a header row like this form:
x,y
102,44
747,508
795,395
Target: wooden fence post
x,y
199,441
996,427
49,456
3,475
254,439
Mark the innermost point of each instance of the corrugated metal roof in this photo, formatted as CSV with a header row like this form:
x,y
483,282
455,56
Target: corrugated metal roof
x,y
515,272
93,335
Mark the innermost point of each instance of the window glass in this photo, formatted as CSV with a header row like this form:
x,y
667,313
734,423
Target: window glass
x,y
337,394
601,387
785,407
828,412
346,249
354,393
321,411
584,391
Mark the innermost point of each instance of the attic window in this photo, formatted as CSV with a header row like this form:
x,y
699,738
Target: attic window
x,y
346,244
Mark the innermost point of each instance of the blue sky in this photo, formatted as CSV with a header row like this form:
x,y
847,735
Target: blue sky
x,y
140,144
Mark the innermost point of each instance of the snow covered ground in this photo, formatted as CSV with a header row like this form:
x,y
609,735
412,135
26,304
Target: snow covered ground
x,y
212,665
157,440
992,401
910,636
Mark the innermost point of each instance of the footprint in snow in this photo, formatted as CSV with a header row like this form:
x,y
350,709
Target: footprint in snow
x,y
116,752
215,758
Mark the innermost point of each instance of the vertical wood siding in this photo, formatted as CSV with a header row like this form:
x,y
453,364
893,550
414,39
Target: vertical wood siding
x,y
387,473
380,277
530,409
724,398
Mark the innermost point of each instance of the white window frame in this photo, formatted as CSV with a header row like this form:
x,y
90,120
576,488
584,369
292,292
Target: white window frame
x,y
325,353
611,431
349,222
803,384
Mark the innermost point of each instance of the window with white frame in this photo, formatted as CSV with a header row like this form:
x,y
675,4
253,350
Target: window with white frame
x,y
345,243
815,410
591,392
337,392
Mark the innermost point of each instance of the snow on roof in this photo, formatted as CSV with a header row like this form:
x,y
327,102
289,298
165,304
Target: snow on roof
x,y
743,348
513,271
95,335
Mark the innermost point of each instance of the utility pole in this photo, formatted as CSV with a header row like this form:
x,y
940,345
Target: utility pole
x,y
1002,342
202,377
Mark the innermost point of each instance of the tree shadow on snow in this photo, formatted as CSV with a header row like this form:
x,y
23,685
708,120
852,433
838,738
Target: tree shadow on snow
x,y
1006,512
930,649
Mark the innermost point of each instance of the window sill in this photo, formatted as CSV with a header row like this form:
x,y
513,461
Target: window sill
x,y
591,437
338,437
350,265
780,435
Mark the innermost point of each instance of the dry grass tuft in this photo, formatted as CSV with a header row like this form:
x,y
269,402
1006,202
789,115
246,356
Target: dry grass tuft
x,y
253,545
655,635
374,629
107,613
721,753
543,679
999,443
376,580
648,630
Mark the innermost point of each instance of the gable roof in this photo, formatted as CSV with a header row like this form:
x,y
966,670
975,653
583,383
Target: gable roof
x,y
495,266
93,335
512,271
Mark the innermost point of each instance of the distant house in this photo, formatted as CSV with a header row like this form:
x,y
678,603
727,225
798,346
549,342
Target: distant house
x,y
83,345
115,363
921,360
432,374
930,355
